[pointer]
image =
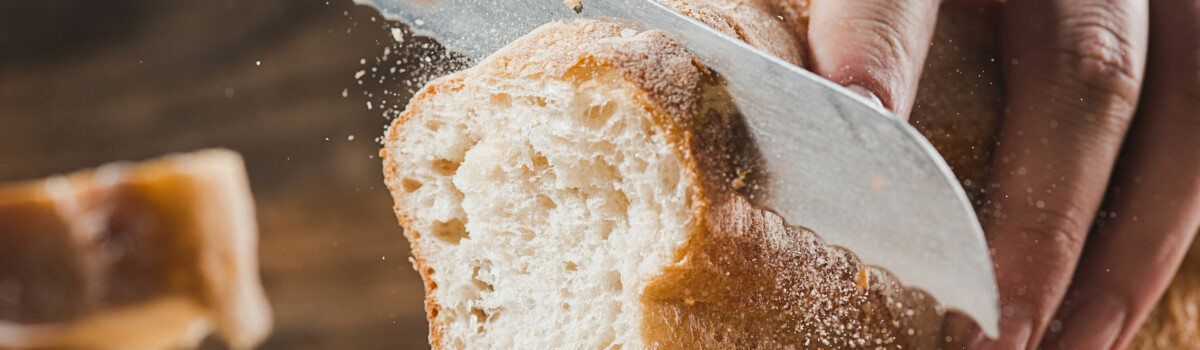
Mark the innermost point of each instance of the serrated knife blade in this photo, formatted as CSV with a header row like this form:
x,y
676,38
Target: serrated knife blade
x,y
838,164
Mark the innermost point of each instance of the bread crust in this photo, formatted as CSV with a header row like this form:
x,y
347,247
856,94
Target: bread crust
x,y
688,103
779,27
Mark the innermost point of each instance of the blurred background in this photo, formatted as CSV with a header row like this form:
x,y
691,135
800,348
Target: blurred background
x,y
286,83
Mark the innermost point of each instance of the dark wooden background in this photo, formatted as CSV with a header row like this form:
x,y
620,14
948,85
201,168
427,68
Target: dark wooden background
x,y
85,82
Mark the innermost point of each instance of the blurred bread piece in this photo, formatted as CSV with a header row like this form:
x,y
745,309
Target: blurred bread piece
x,y
1175,321
152,255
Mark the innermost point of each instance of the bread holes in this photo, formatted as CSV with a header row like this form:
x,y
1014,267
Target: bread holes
x,y
527,235
410,185
535,101
622,203
606,230
480,315
501,99
445,167
551,176
540,163
544,201
480,283
613,280
452,231
596,116
608,337
429,274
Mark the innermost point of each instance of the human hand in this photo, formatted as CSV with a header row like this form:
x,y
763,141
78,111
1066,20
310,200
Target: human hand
x,y
1082,252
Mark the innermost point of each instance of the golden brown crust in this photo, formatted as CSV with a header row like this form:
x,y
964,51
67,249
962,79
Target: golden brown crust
x,y
750,282
744,279
391,175
777,27
767,266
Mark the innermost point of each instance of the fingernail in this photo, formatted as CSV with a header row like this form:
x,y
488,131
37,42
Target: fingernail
x,y
1016,324
858,89
1095,323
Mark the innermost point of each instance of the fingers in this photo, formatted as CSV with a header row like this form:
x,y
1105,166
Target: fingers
x,y
877,47
1153,208
1073,77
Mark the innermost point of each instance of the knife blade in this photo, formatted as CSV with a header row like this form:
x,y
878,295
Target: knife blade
x,y
846,168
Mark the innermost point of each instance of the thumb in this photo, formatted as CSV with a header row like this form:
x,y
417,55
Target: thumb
x,y
876,47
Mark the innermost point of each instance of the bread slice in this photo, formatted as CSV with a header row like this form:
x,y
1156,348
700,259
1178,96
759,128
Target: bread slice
x,y
590,186
154,255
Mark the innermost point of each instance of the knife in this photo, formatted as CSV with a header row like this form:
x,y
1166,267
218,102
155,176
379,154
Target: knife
x,y
846,168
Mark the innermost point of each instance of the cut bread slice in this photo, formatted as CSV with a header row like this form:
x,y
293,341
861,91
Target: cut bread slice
x,y
590,186
153,255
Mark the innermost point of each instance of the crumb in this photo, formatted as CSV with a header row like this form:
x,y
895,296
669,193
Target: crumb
x,y
576,5
689,301
397,35
863,280
740,181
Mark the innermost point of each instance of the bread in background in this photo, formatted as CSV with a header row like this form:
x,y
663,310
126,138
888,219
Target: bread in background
x,y
152,255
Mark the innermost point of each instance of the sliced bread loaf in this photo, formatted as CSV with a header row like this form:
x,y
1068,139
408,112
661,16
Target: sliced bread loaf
x,y
590,186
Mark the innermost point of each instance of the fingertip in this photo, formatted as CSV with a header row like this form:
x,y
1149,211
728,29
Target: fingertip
x,y
879,45
959,331
1016,327
864,92
1094,323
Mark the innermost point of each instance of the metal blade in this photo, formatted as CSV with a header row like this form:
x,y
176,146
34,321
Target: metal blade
x,y
849,170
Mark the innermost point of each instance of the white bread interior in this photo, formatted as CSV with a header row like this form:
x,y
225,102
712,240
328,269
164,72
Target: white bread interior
x,y
586,187
537,200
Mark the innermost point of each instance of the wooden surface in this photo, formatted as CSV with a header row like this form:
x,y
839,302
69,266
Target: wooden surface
x,y
87,82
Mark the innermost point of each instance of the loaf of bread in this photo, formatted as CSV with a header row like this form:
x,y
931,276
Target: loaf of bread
x,y
590,186
587,186
152,255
